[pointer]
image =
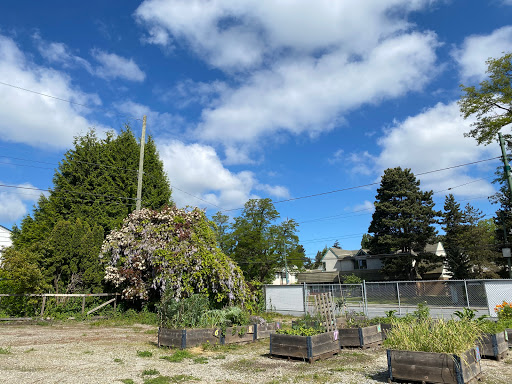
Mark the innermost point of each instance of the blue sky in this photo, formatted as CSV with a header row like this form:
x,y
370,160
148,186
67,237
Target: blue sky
x,y
255,98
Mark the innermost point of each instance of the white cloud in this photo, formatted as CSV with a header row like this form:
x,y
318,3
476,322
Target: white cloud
x,y
34,119
113,66
433,140
13,202
230,34
60,53
365,206
158,123
336,157
197,170
310,95
476,49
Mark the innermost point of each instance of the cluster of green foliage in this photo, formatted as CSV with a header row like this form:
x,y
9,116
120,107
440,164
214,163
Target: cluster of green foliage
x,y
483,322
257,242
173,251
196,312
403,224
301,331
428,335
469,242
94,189
307,325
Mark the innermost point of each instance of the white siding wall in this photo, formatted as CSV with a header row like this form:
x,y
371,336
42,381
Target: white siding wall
x,y
5,240
330,260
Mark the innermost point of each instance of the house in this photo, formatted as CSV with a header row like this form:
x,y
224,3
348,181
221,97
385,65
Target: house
x,y
5,239
280,276
368,267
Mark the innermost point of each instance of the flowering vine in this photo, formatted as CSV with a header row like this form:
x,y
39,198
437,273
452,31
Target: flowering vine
x,y
172,249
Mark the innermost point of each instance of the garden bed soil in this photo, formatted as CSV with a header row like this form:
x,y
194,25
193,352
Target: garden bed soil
x,y
307,348
494,345
362,337
428,367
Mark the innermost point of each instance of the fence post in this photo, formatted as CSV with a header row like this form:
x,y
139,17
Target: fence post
x,y
467,296
398,297
304,297
365,299
42,306
83,304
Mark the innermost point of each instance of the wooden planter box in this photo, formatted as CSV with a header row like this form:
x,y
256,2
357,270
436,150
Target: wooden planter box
x,y
185,338
509,336
239,334
428,367
364,337
263,331
494,345
308,348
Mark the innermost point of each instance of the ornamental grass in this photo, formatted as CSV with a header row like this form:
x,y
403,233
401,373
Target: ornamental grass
x,y
428,335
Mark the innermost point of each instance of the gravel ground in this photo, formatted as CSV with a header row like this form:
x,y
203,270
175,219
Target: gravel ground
x,y
80,353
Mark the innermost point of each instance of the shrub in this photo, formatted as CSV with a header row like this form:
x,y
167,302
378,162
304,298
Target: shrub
x,y
504,311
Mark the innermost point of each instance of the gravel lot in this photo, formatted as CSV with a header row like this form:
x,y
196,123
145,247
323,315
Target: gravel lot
x,y
81,353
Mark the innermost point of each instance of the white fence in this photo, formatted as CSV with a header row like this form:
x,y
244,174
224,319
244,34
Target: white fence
x,y
443,297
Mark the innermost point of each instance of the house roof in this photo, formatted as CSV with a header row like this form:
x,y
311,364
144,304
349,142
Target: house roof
x,y
7,229
346,253
318,277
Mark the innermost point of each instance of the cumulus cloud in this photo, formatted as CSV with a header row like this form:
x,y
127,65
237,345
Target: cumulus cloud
x,y
13,202
476,49
196,169
230,34
433,140
34,119
113,66
364,206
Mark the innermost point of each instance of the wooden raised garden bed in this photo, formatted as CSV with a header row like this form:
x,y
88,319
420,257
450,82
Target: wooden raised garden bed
x,y
429,367
509,337
308,348
185,338
494,345
363,337
386,327
263,331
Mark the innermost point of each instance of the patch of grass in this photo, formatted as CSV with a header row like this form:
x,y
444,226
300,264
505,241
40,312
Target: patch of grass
x,y
120,361
29,350
88,352
150,372
5,351
158,380
219,357
151,331
178,356
200,360
127,381
144,353
221,348
245,365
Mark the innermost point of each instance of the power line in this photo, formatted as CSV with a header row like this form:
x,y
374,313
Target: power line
x,y
65,100
370,184
66,191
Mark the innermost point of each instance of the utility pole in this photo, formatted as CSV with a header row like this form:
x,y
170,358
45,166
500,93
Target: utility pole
x,y
506,166
141,164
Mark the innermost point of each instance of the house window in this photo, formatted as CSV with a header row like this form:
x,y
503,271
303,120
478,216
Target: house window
x,y
360,264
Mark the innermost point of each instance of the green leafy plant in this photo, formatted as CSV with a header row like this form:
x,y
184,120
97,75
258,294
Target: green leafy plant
x,y
150,372
144,353
5,351
426,335
200,360
301,331
178,356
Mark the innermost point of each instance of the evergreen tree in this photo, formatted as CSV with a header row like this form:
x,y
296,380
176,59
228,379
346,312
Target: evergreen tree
x,y
221,227
94,189
457,261
402,224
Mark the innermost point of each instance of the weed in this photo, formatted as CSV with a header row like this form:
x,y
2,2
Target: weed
x,y
181,379
150,372
244,365
127,381
219,357
151,331
29,350
200,360
118,361
144,353
88,352
159,380
178,356
5,351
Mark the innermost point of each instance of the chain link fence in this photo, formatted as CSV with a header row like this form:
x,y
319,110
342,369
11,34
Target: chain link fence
x,y
443,297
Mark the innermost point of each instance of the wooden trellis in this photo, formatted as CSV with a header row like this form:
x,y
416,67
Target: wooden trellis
x,y
324,305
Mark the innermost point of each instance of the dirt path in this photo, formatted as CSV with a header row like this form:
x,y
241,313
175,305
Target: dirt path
x,y
79,353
